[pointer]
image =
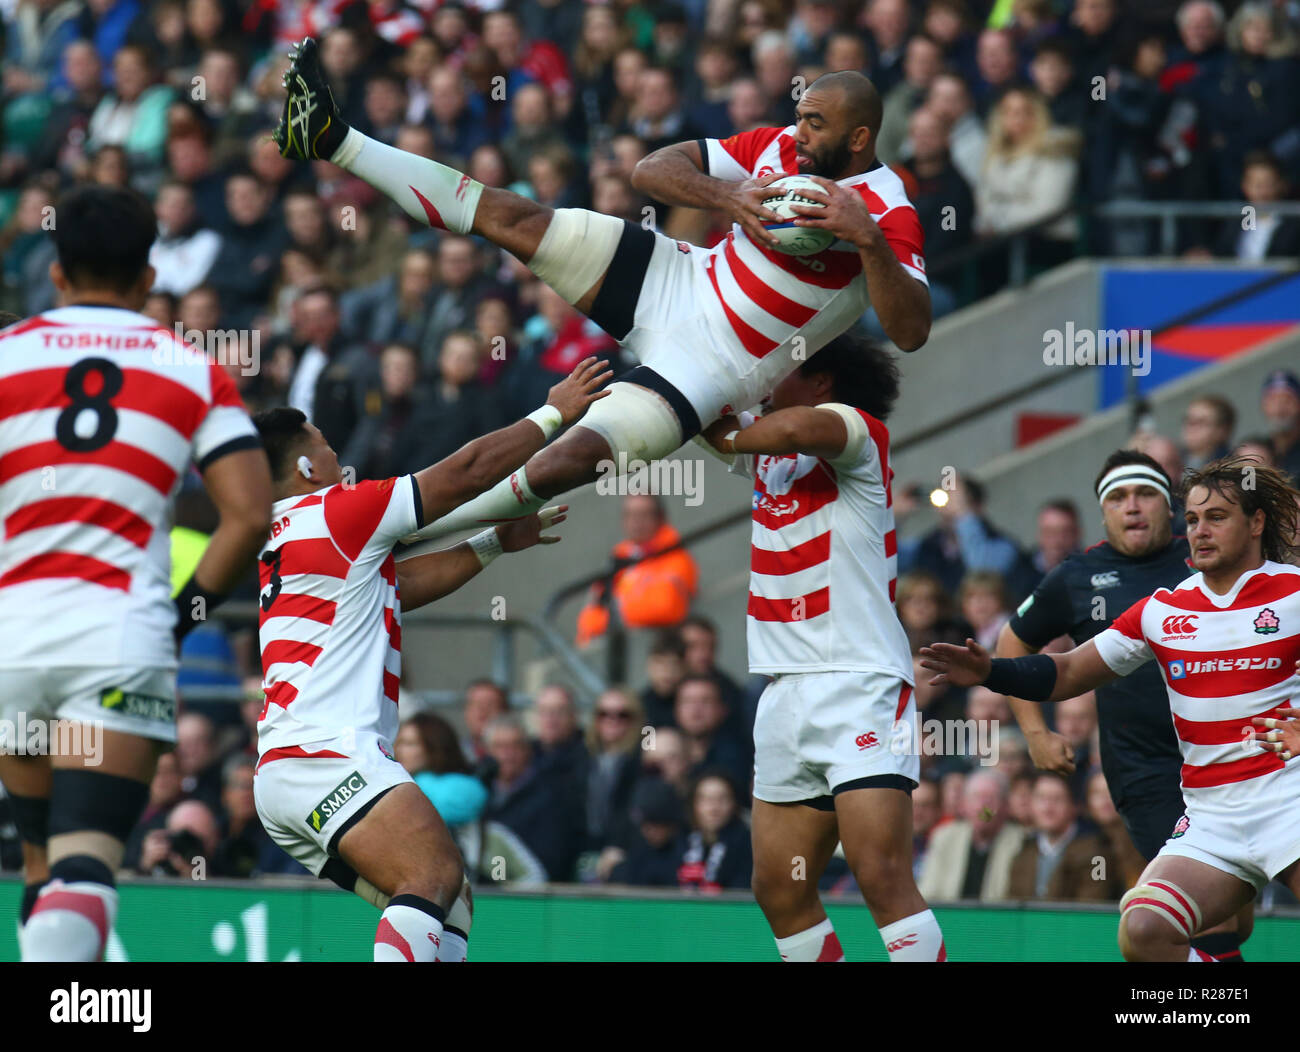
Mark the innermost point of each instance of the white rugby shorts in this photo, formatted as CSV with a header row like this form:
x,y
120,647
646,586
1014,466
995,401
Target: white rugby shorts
x,y
817,733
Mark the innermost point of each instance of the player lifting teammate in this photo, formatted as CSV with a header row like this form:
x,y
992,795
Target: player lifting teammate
x,y
1227,640
1139,750
829,763
100,414
328,789
714,329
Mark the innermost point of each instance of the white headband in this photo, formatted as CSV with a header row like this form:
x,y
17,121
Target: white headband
x,y
1130,474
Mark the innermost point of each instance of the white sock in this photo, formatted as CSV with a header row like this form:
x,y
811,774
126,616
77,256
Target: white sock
x,y
818,943
914,938
409,930
70,922
428,192
511,498
454,948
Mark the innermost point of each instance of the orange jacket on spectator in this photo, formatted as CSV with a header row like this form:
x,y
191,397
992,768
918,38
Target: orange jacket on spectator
x,y
655,593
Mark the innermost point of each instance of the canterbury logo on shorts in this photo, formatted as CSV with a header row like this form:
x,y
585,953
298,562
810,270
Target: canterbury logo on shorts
x,y
341,794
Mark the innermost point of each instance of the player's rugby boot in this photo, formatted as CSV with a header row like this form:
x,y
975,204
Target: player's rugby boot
x,y
310,127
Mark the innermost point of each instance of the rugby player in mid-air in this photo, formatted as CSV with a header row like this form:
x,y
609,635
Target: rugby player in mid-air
x,y
328,789
714,329
1081,598
1227,641
829,763
101,414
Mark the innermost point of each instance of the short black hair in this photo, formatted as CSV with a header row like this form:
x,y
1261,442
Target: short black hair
x,y
1062,504
8,318
103,235
860,95
1124,457
668,643
863,374
282,431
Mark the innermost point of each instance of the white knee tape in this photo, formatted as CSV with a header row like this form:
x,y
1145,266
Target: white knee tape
x,y
1169,901
637,424
576,250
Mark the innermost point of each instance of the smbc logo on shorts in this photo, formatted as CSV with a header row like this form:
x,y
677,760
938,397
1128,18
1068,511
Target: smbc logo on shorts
x,y
340,795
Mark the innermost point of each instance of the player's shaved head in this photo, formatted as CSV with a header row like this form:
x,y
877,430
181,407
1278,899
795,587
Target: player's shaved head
x,y
862,105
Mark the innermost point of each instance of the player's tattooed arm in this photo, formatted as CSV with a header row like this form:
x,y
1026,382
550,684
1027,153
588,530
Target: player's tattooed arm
x,y
479,465
901,302
1049,751
675,175
1076,672
796,429
427,578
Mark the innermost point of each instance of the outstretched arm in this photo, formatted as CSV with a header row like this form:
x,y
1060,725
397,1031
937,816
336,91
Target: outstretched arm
x,y
479,465
1039,677
427,578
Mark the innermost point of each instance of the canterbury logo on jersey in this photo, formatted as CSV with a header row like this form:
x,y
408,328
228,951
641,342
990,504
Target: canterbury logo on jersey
x,y
1179,669
342,793
1179,625
1105,580
139,706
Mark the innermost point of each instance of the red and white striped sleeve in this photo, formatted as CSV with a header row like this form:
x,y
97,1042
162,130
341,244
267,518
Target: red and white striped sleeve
x,y
735,158
1123,646
902,229
373,514
225,426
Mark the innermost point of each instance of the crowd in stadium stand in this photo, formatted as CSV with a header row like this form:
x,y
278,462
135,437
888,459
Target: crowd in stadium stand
x,y
401,344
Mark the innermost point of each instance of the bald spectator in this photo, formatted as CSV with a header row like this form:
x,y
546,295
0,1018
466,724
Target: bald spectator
x,y
971,856
185,846
1059,861
998,63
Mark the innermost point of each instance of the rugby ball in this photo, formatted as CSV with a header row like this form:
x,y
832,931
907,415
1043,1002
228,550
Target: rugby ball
x,y
795,240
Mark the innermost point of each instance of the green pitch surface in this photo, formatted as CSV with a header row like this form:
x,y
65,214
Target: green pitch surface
x,y
222,921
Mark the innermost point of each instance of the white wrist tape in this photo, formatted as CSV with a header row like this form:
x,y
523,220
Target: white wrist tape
x,y
548,418
486,545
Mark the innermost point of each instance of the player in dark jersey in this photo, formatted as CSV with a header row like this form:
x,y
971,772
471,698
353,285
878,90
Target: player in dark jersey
x,y
1080,598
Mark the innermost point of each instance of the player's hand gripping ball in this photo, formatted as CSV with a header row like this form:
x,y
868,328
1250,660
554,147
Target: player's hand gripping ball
x,y
796,240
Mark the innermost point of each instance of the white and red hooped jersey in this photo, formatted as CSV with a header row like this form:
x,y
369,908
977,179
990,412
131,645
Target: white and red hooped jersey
x,y
1224,659
330,623
823,562
100,413
764,299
